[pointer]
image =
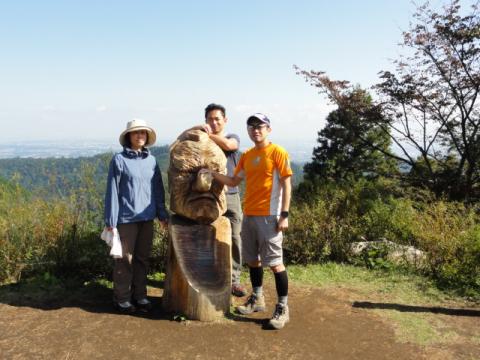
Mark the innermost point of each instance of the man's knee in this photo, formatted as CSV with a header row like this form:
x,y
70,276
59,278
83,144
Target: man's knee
x,y
278,268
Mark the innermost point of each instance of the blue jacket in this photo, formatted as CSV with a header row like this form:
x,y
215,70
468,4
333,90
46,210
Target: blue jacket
x,y
134,189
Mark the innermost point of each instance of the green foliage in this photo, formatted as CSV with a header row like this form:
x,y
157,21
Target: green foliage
x,y
389,218
297,169
428,107
179,318
350,146
322,225
376,257
158,255
450,235
51,177
51,217
327,218
60,236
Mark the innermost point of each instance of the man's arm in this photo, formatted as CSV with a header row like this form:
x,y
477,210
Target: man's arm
x,y
223,179
286,184
227,144
203,127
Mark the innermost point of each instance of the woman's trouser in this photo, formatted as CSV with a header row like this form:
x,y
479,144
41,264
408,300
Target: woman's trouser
x,y
130,272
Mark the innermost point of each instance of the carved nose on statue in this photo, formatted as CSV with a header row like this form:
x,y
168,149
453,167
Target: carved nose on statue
x,y
203,182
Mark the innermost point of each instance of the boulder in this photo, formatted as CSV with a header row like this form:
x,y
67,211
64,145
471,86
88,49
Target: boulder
x,y
395,252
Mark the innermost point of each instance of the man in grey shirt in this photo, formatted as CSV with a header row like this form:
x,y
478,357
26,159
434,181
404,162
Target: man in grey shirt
x,y
215,122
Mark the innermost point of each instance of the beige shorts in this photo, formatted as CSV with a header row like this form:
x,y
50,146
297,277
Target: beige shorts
x,y
261,241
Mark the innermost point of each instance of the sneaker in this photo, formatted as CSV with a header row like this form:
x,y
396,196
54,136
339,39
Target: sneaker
x,y
254,303
124,307
144,305
238,290
280,317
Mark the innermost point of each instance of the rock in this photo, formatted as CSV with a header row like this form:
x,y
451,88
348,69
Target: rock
x,y
395,252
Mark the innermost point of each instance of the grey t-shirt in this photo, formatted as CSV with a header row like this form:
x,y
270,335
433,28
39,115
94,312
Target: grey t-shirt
x,y
232,161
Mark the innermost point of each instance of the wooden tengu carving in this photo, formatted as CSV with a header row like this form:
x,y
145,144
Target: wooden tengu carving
x,y
198,276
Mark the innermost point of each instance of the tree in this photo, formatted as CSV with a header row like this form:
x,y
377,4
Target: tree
x,y
342,154
429,106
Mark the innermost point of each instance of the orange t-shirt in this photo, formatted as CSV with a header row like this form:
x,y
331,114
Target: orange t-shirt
x,y
262,170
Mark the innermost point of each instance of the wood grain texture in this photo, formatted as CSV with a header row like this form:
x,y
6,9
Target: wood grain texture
x,y
198,276
197,197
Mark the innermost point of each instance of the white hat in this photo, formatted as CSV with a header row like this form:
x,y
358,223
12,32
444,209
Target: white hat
x,y
137,124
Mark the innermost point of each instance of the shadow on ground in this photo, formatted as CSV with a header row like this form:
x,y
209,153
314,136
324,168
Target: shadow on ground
x,y
415,309
95,298
90,296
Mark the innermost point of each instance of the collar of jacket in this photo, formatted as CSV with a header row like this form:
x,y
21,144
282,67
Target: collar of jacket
x,y
132,154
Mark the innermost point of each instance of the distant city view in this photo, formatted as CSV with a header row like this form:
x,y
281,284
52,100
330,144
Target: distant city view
x,y
300,151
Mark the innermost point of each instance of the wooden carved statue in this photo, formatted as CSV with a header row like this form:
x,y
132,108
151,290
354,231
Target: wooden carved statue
x,y
198,278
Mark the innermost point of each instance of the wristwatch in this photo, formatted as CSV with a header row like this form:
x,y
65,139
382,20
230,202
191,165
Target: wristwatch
x,y
284,214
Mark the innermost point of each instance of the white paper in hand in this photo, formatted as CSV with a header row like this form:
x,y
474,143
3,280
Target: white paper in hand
x,y
112,238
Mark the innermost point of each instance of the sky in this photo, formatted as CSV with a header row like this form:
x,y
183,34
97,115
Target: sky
x,y
79,70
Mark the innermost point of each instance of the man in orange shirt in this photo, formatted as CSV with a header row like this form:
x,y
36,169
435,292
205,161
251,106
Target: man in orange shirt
x,y
267,173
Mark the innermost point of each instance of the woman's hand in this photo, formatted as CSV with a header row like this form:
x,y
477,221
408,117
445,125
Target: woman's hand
x,y
163,223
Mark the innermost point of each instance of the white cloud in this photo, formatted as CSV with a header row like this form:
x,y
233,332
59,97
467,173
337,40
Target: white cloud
x,y
49,108
101,108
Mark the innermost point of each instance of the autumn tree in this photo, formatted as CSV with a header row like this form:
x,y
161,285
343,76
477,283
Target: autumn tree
x,y
428,105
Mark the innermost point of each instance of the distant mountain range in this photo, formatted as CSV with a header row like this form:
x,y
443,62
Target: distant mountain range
x,y
59,168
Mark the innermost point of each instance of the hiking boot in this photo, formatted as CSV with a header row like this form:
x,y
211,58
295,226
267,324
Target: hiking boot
x,y
144,305
124,307
280,317
238,290
254,303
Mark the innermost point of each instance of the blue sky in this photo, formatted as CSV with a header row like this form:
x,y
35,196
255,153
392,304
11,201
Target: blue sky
x,y
81,70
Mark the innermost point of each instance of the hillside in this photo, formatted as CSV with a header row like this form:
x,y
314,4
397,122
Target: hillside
x,y
59,176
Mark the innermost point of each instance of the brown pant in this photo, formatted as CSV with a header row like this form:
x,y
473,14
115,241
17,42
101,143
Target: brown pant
x,y
234,214
130,272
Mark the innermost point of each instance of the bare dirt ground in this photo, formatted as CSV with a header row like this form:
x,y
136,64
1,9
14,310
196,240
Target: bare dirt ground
x,y
325,324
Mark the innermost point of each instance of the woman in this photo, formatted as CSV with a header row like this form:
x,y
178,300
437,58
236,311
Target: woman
x,y
134,198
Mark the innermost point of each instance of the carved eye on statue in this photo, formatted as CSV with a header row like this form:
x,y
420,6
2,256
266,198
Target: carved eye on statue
x,y
197,197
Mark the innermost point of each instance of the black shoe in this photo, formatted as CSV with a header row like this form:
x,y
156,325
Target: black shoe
x,y
238,290
143,305
124,307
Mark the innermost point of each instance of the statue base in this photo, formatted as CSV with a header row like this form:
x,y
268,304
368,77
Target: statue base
x,y
199,269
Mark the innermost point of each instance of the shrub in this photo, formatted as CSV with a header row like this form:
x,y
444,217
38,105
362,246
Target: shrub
x,y
158,256
389,219
450,235
321,227
327,218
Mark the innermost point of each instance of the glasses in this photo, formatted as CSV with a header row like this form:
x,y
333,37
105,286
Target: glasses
x,y
257,127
